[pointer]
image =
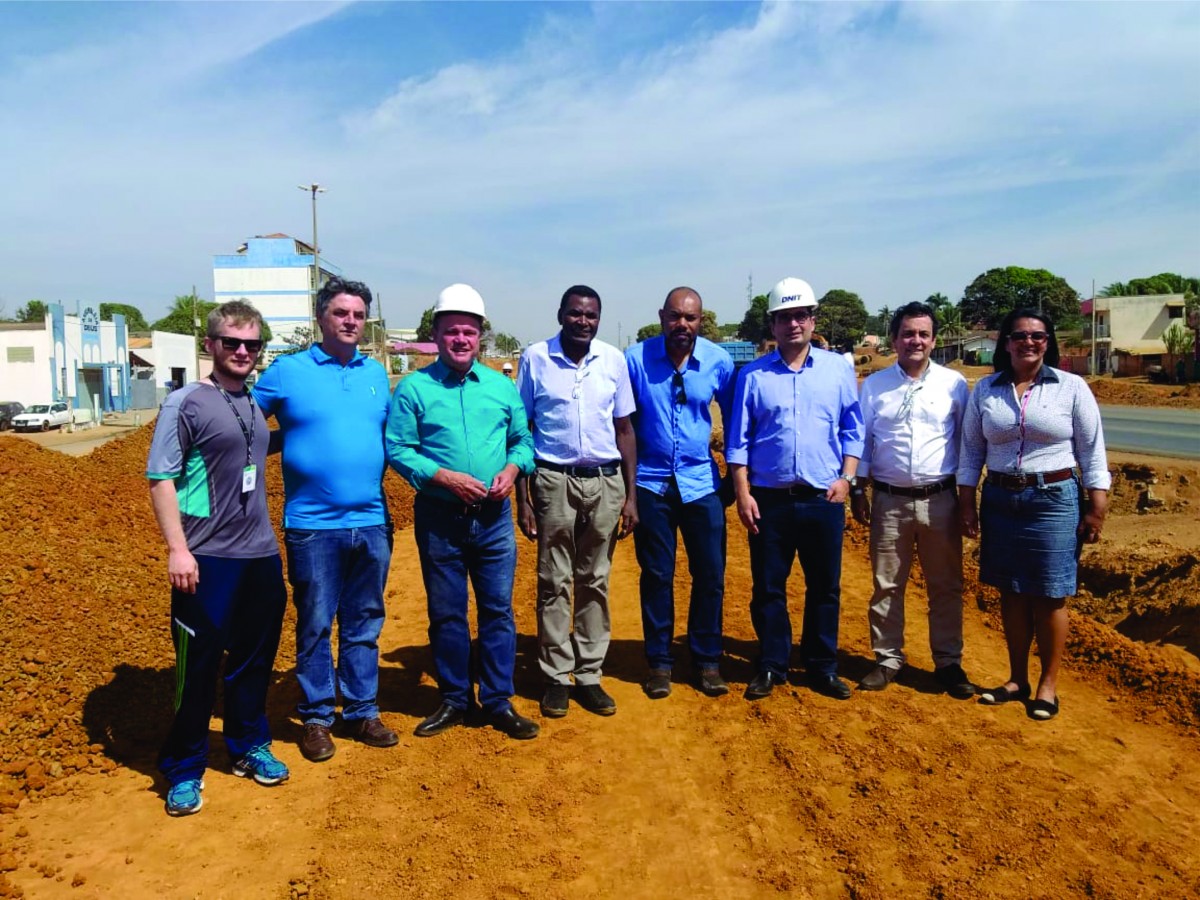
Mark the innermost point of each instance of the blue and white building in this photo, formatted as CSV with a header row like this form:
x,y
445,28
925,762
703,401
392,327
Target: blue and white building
x,y
73,358
274,272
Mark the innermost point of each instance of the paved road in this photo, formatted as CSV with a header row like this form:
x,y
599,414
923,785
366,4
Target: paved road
x,y
1154,430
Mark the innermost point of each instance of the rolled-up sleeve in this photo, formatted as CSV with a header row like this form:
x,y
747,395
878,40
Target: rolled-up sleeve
x,y
850,426
520,441
1088,441
973,449
737,429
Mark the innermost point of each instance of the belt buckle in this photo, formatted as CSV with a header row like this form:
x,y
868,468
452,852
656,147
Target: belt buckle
x,y
473,509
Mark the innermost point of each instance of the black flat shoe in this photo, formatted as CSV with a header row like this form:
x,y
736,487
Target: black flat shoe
x,y
997,695
445,717
762,685
1043,710
830,686
514,725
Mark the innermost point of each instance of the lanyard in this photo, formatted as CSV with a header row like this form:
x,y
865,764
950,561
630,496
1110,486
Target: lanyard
x,y
247,434
1021,421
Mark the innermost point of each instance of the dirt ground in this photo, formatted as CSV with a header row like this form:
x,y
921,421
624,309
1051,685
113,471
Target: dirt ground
x,y
905,793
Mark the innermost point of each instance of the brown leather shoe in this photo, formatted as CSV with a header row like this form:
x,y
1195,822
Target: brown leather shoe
x,y
372,732
316,745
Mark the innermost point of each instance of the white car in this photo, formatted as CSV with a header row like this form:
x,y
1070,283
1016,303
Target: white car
x,y
42,417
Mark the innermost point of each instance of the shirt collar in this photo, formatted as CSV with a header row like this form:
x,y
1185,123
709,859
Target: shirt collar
x,y
777,360
658,347
1045,373
318,353
554,348
443,373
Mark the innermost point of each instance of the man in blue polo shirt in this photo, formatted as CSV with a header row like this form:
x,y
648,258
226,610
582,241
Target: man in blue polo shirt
x,y
795,436
675,377
331,403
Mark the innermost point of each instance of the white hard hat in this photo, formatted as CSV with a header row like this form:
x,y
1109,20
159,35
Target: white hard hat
x,y
789,293
507,367
460,298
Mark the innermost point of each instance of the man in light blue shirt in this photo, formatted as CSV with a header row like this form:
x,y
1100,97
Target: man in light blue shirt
x,y
331,403
793,443
675,378
581,497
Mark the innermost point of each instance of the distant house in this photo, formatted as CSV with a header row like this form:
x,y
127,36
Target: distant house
x,y
975,348
1130,329
415,347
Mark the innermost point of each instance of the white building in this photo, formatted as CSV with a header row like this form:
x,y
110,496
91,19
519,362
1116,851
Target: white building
x,y
76,358
1134,325
274,272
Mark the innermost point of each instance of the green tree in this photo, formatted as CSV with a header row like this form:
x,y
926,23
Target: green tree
x,y
186,309
33,311
1177,339
507,344
841,317
879,324
756,324
298,340
1162,283
997,292
729,330
709,327
425,329
134,320
646,332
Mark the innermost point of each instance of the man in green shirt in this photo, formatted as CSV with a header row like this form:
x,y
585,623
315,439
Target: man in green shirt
x,y
457,432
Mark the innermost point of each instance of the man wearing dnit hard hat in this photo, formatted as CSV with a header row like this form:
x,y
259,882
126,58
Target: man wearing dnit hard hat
x,y
795,437
457,432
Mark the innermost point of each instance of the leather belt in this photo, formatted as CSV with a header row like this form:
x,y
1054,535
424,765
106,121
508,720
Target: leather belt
x,y
1031,479
454,507
804,491
580,471
924,490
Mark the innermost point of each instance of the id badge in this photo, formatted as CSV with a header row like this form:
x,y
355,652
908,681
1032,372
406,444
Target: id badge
x,y
249,479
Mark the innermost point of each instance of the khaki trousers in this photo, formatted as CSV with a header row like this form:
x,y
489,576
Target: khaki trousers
x,y
930,526
577,522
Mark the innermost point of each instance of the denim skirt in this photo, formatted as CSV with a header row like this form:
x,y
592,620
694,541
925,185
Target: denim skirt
x,y
1029,540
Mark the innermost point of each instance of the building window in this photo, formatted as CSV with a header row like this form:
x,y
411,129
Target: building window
x,y
1174,312
20,354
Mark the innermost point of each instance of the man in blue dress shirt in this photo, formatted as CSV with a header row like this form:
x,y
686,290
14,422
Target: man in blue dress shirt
x,y
675,377
794,439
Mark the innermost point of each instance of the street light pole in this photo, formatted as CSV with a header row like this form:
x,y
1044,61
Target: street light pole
x,y
314,189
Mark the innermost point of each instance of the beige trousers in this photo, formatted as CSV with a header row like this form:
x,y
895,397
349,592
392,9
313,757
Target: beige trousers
x,y
577,522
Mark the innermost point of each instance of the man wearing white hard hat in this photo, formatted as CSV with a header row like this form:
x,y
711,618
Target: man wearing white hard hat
x,y
582,497
794,441
457,432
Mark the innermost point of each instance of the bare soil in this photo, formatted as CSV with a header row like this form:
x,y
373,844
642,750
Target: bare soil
x,y
906,793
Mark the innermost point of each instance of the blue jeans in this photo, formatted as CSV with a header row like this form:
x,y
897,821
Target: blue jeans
x,y
453,546
811,528
702,525
237,608
338,572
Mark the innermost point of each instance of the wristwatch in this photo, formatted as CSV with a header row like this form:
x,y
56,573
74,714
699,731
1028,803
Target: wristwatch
x,y
856,490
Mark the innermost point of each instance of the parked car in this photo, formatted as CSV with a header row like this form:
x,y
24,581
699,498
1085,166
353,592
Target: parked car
x,y
42,417
8,409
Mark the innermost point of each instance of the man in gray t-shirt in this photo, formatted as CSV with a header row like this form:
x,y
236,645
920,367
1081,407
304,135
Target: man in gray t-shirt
x,y
227,595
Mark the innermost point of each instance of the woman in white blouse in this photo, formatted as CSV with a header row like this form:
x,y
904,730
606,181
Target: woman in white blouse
x,y
1033,425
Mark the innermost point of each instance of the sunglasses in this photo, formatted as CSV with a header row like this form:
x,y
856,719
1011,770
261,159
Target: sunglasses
x,y
1038,337
231,344
677,384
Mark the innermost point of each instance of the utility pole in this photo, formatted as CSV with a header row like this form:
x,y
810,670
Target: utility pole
x,y
1094,372
314,189
195,335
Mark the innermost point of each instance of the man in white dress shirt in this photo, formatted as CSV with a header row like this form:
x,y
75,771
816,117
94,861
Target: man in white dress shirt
x,y
912,418
581,497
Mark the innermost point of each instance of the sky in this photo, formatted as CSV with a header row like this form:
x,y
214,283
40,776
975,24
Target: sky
x,y
893,150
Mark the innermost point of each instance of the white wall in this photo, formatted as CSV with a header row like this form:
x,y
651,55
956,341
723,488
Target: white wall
x,y
27,383
168,351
